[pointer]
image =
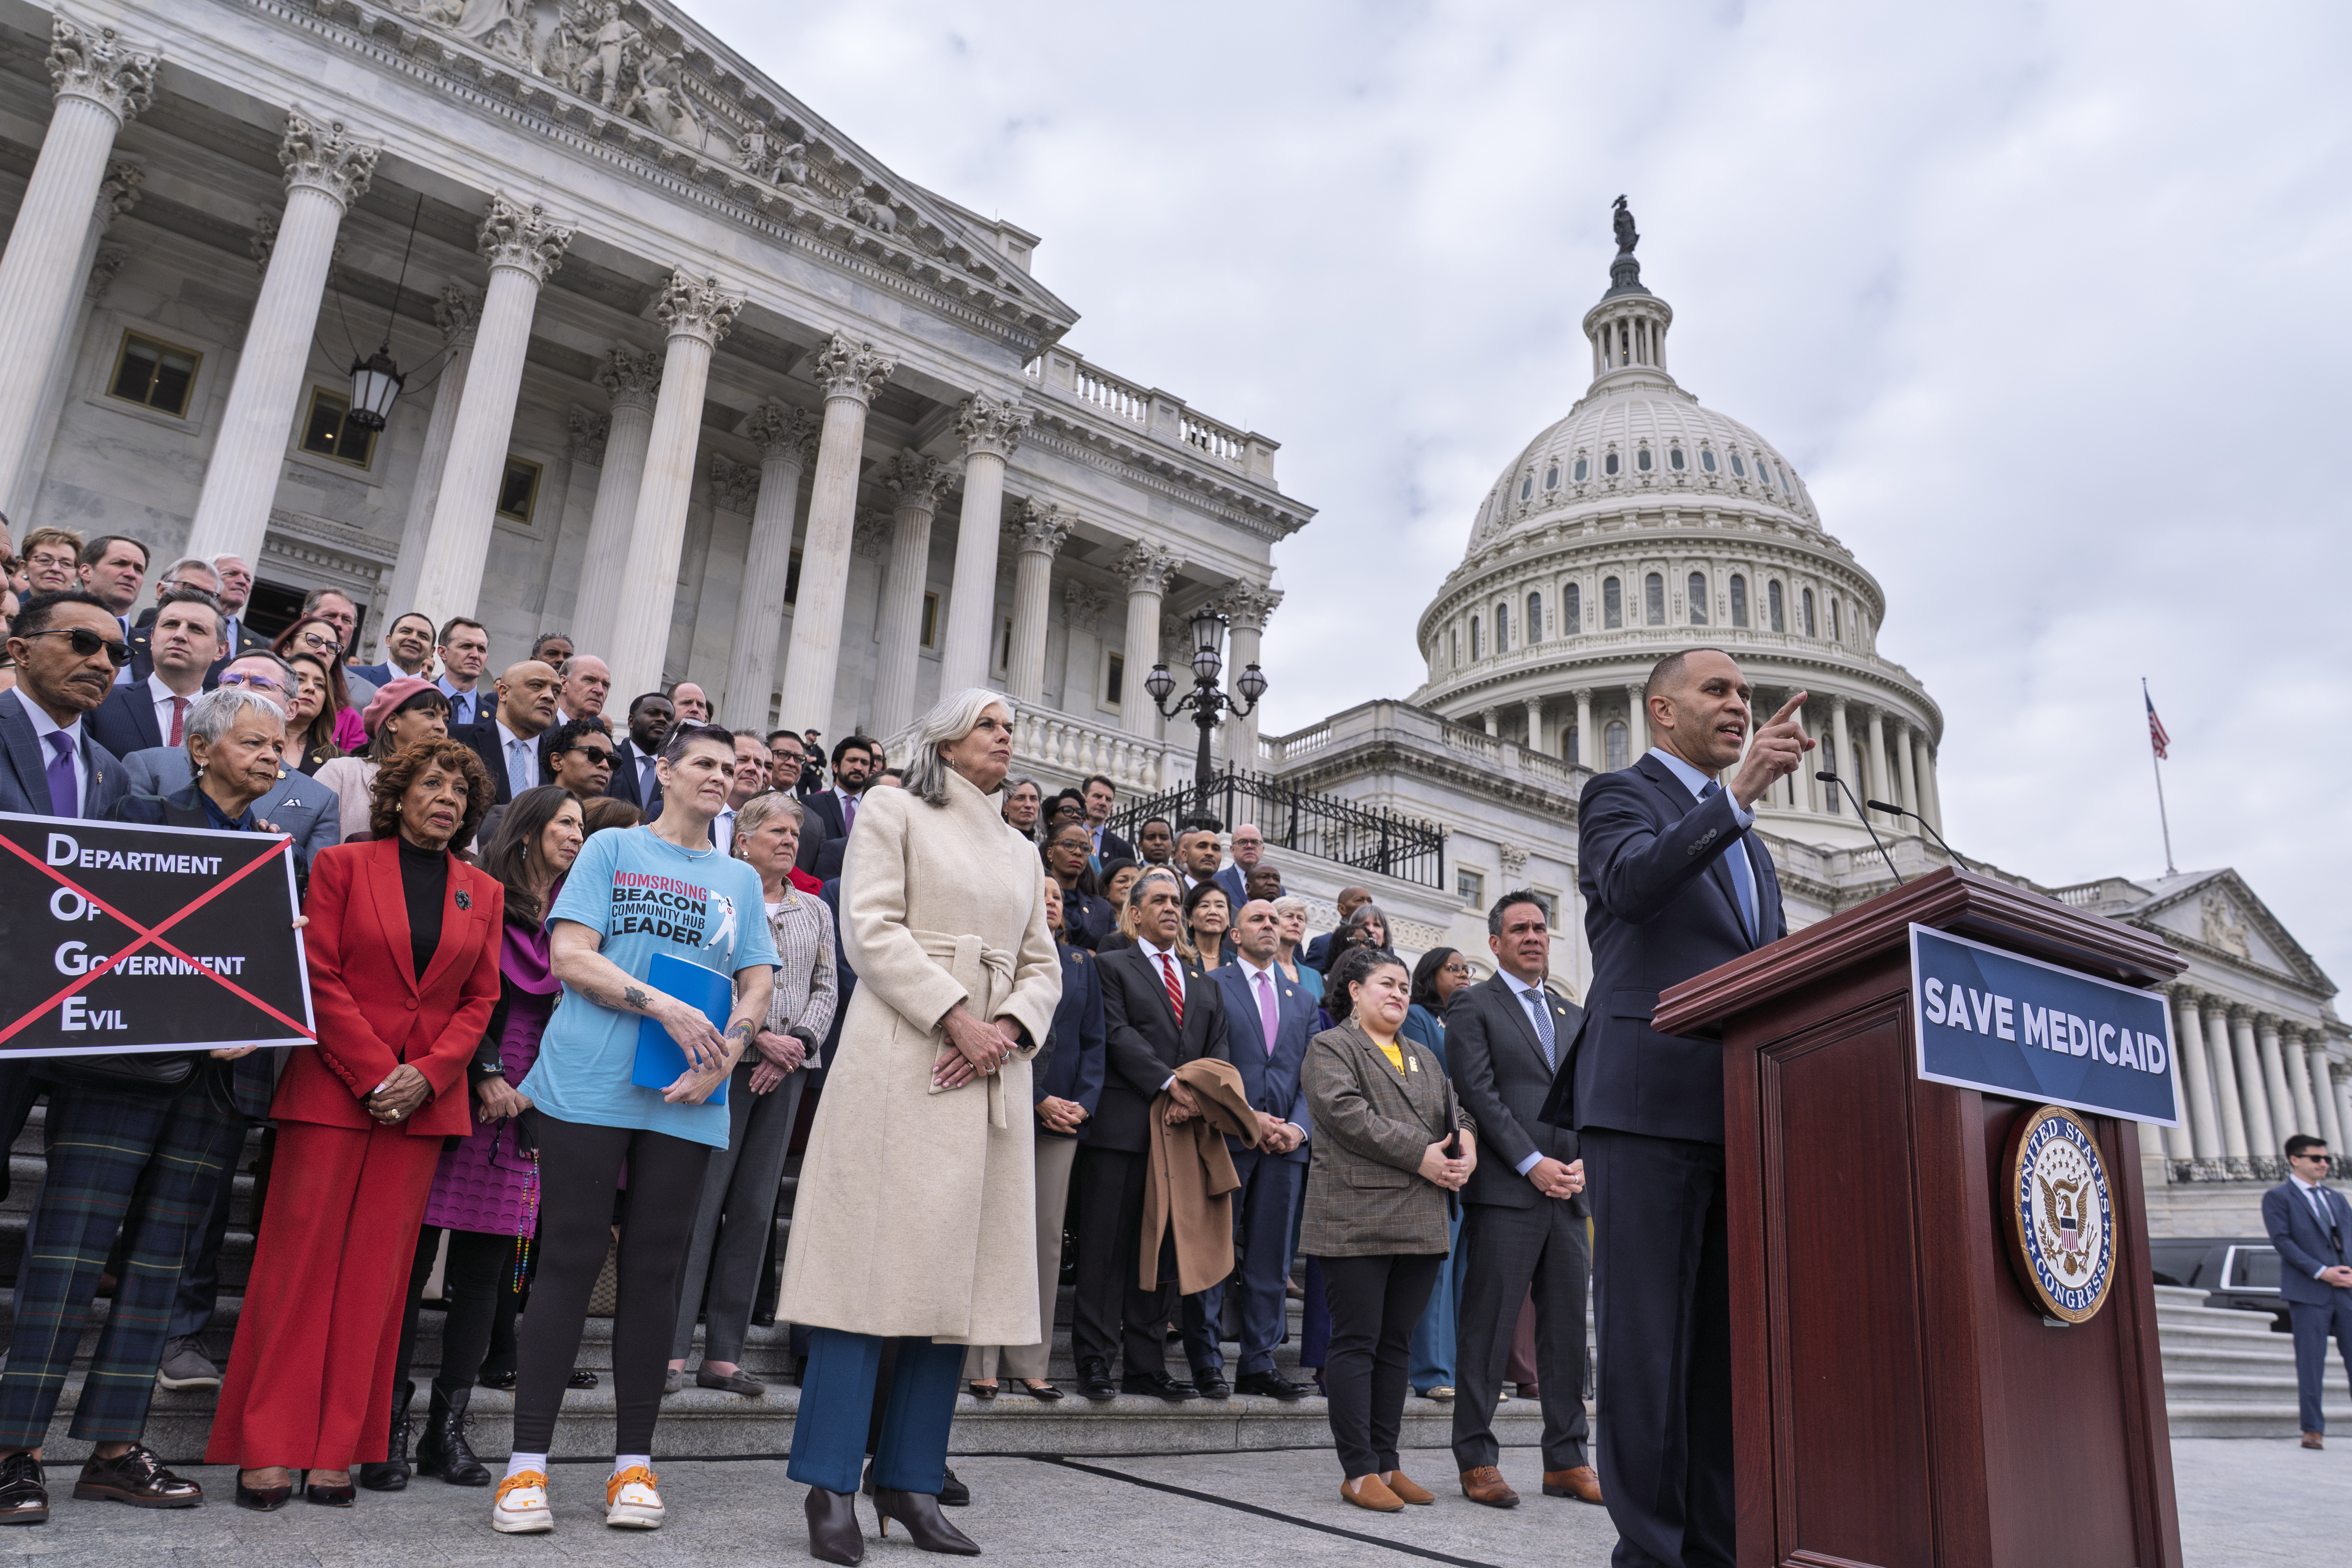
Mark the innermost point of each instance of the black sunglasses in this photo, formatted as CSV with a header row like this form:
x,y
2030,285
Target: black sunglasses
x,y
85,642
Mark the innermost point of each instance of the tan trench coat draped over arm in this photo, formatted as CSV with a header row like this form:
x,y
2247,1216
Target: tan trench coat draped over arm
x,y
916,1209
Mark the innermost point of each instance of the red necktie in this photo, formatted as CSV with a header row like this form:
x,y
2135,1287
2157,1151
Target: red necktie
x,y
1175,987
179,716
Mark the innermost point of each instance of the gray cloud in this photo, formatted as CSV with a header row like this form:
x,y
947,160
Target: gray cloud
x,y
2045,301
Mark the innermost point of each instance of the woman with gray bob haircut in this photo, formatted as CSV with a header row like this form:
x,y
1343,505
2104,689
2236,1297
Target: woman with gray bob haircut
x,y
916,1215
236,740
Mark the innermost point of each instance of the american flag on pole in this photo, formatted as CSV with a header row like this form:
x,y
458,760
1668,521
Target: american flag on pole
x,y
2157,738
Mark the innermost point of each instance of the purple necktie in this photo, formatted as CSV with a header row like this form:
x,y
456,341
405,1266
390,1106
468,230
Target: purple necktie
x,y
848,812
1267,1017
65,800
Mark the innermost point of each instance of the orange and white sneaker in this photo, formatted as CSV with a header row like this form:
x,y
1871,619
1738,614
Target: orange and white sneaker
x,y
522,1506
630,1500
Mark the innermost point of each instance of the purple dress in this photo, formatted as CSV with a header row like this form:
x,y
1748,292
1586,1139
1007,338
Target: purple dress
x,y
483,1185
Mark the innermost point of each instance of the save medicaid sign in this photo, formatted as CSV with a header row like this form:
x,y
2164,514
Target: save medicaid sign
x,y
1992,1020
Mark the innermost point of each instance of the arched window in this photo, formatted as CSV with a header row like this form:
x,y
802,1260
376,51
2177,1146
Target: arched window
x,y
1473,636
1738,600
1552,477
1654,599
1642,460
1697,586
1502,628
1609,464
1535,617
1612,603
1781,474
1580,470
1675,459
1805,603
1737,470
1527,487
1706,458
1773,600
1837,632
1572,610
1615,738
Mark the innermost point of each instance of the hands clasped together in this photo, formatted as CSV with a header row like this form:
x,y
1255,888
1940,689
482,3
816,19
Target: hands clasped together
x,y
974,1049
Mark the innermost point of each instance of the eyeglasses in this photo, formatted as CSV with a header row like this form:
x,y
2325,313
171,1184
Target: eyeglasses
x,y
2316,1159
598,756
259,682
85,642
43,559
315,643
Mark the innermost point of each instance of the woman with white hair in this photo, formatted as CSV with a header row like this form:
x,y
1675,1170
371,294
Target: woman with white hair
x,y
915,1214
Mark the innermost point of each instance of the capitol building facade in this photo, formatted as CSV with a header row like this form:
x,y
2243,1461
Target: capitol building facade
x,y
656,332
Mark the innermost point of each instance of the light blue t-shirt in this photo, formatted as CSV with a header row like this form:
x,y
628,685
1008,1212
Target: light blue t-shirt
x,y
647,896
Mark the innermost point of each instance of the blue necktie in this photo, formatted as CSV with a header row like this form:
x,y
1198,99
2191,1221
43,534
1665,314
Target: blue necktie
x,y
65,795
1542,1016
1743,875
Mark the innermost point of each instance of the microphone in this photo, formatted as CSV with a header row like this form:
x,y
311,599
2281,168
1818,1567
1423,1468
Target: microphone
x,y
1831,778
1898,811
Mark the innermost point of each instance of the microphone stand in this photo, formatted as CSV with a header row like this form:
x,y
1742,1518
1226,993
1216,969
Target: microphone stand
x,y
1831,778
1898,811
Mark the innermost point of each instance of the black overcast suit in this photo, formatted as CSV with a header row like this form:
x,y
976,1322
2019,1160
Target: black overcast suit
x,y
1143,1045
1660,907
1512,1236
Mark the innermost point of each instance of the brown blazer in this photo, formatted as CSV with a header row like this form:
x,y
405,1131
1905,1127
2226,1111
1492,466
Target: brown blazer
x,y
1191,1180
1365,1194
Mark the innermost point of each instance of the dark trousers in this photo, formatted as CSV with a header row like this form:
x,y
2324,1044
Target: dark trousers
x,y
1111,1311
1262,1208
910,1453
1505,1253
476,1288
1662,1271
1375,1301
145,1165
2314,1325
579,1171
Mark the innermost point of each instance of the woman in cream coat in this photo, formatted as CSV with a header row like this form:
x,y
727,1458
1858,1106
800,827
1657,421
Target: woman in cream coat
x,y
914,1215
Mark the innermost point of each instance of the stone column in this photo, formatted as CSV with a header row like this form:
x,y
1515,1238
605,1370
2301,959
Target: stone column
x,y
2197,1062
1637,726
100,83
521,247
1931,804
2261,1140
1849,766
1246,607
631,379
1039,531
2314,1048
2178,1145
787,438
1535,724
2265,1051
326,171
456,313
584,452
2284,1064
1588,748
117,195
1881,788
1492,719
1905,769
2230,1103
990,429
1146,569
696,313
850,375
916,481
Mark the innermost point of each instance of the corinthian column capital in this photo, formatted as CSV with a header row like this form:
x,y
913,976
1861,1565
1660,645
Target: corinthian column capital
x,y
456,313
632,380
119,191
987,425
1039,528
915,480
851,370
1146,567
1248,605
696,309
328,161
521,238
780,431
734,487
101,68
589,433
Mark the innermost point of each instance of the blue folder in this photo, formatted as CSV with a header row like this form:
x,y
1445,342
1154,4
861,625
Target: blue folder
x,y
660,1059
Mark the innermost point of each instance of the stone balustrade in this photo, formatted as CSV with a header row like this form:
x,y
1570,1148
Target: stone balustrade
x,y
1061,747
1154,413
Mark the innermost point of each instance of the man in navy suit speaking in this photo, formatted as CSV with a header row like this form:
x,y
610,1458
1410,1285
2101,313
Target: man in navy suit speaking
x,y
1674,885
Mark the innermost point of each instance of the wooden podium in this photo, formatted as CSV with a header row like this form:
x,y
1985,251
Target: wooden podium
x,y
1898,1401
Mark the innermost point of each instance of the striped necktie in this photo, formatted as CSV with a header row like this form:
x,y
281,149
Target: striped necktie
x,y
1175,987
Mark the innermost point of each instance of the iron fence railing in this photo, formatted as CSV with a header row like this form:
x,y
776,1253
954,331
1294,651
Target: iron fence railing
x,y
1364,839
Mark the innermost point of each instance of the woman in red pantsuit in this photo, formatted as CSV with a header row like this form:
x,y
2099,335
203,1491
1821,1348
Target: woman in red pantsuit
x,y
404,953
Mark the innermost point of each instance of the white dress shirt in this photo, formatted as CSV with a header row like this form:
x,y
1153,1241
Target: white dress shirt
x,y
43,728
163,697
1152,955
1532,998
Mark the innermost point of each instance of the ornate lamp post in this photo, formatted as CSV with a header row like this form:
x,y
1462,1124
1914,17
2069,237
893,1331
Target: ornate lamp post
x,y
1205,700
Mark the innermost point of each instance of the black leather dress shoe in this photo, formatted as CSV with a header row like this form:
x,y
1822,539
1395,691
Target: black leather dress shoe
x,y
1211,1385
327,1496
1093,1383
954,1493
263,1499
23,1492
1159,1384
1270,1386
138,1477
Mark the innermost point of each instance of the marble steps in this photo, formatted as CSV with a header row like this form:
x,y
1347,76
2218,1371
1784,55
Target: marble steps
x,y
2226,1374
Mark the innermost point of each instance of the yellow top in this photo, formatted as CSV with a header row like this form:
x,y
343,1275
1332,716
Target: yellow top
x,y
1396,1057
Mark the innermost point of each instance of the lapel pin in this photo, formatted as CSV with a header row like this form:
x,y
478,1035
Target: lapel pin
x,y
464,900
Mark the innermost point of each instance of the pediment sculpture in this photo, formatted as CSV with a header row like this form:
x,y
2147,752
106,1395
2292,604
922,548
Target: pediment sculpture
x,y
2221,927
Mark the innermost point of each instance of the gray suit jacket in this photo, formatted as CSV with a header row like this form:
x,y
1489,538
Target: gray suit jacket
x,y
300,804
1365,1194
25,768
1497,1066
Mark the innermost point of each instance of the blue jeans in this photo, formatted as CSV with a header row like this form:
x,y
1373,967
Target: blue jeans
x,y
837,1406
1431,1352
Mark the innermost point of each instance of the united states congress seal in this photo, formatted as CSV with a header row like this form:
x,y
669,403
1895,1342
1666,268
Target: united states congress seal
x,y
2060,1214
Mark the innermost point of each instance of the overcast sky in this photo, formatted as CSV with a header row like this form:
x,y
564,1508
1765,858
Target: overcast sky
x,y
2047,302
